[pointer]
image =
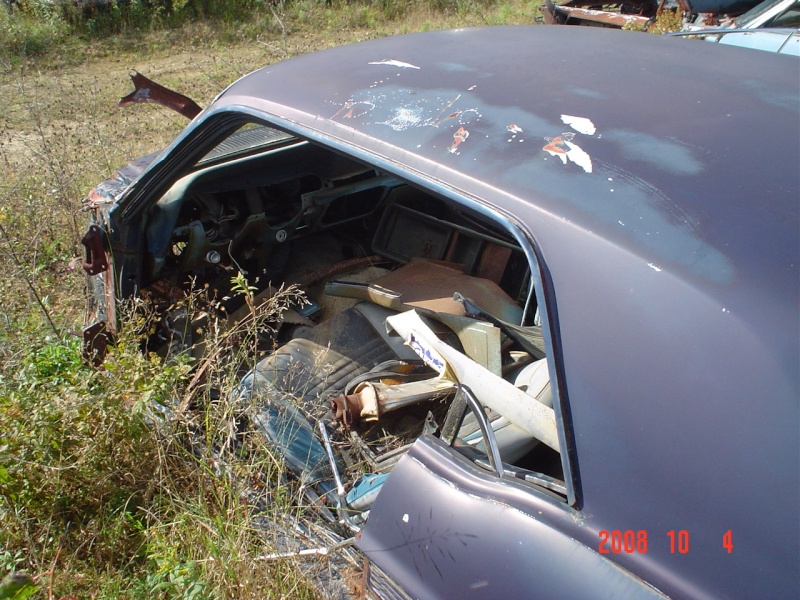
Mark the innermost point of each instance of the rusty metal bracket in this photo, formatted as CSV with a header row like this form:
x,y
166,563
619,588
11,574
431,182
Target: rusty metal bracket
x,y
150,91
371,400
95,343
95,261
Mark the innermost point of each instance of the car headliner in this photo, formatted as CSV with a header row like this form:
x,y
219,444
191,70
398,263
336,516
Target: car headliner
x,y
667,222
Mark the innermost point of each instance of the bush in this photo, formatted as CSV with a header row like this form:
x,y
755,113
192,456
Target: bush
x,y
136,480
27,31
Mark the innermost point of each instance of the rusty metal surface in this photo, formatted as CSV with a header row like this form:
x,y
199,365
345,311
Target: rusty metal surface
x,y
371,400
347,409
598,16
612,14
615,15
109,190
146,90
95,260
95,343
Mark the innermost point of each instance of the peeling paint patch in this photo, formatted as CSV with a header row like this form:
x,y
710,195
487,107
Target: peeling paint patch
x,y
563,148
405,118
440,117
394,63
558,145
453,115
514,130
403,110
579,124
458,137
353,109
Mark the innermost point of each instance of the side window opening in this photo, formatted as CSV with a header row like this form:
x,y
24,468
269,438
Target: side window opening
x,y
503,421
473,431
418,311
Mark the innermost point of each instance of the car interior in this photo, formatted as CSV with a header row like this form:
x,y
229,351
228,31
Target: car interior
x,y
349,381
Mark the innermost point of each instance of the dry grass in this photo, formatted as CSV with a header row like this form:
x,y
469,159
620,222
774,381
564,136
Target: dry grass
x,y
94,498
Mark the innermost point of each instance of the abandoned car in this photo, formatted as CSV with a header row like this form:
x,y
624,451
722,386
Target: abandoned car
x,y
564,288
772,26
638,14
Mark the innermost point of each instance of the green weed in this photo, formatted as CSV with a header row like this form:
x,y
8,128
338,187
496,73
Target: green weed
x,y
141,479
666,21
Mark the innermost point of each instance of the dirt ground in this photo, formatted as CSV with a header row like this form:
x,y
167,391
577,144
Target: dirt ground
x,y
61,133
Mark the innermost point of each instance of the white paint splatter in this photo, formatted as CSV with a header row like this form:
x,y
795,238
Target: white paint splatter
x,y
394,63
579,124
577,155
405,518
563,148
404,118
655,268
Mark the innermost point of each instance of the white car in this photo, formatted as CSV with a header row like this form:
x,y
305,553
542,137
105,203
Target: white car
x,y
771,26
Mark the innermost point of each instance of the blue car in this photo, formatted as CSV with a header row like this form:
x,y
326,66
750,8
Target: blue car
x,y
550,347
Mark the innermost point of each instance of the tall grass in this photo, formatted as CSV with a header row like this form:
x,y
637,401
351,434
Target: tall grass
x,y
111,486
62,29
101,496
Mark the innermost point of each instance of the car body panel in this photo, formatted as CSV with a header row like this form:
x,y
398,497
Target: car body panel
x,y
680,159
730,7
770,13
769,40
779,41
770,26
487,541
667,236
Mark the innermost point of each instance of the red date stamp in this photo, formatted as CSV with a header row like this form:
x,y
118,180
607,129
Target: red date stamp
x,y
630,541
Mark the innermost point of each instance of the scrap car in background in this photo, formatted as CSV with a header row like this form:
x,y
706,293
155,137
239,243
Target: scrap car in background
x,y
779,41
552,344
637,14
613,15
772,26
